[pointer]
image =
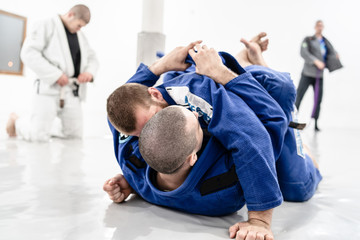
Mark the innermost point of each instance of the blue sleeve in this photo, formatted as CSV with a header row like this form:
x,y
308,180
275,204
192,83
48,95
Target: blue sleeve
x,y
264,106
240,131
279,85
116,135
144,76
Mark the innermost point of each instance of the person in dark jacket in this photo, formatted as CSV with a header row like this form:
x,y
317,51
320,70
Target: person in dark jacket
x,y
318,54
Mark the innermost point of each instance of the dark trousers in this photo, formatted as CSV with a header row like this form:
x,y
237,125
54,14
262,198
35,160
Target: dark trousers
x,y
304,83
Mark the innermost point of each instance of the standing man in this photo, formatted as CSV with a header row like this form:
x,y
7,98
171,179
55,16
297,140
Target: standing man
x,y
318,54
58,52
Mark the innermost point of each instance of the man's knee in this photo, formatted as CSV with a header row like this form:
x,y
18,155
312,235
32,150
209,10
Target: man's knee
x,y
74,130
39,135
300,191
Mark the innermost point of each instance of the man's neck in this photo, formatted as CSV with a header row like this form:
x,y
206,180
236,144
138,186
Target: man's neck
x,y
62,17
169,182
318,35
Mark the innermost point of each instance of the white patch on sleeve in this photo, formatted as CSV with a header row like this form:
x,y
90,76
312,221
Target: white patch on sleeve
x,y
123,138
182,96
299,144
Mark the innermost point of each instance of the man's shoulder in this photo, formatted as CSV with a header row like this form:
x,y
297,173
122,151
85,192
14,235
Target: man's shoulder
x,y
46,23
309,38
48,20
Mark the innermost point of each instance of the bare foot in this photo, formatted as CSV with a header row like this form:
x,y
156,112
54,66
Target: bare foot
x,y
10,125
254,49
263,43
242,58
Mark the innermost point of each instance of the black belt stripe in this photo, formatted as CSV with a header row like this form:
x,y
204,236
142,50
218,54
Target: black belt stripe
x,y
296,125
219,182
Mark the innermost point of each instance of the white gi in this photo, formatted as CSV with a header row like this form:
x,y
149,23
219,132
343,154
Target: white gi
x,y
46,51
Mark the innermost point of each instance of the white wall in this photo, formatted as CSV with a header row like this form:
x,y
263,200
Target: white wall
x,y
113,34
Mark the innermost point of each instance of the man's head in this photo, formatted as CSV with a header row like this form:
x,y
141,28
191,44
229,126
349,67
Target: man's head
x,y
131,105
319,27
171,139
76,18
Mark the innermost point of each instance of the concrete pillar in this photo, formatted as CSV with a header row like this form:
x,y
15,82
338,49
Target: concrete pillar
x,y
151,39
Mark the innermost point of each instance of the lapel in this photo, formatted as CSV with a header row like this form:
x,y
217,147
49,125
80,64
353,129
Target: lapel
x,y
81,45
64,46
315,46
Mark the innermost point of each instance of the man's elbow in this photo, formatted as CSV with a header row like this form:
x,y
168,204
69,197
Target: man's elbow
x,y
25,55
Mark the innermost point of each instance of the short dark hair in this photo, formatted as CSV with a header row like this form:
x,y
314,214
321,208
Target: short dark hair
x,y
81,12
166,141
122,103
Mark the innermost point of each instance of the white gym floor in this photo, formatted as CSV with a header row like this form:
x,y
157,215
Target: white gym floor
x,y
54,191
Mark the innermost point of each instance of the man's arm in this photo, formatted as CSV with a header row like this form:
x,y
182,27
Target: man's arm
x,y
254,160
259,222
209,63
309,57
173,61
31,54
92,63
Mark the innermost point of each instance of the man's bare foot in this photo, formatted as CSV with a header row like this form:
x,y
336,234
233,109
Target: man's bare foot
x,y
254,49
263,43
10,126
242,58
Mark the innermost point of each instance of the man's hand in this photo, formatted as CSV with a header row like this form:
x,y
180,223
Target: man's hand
x,y
173,61
209,63
85,77
258,227
319,64
117,188
251,230
63,80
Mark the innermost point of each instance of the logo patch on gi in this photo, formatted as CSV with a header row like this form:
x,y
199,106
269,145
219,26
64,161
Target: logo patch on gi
x,y
299,144
182,96
123,138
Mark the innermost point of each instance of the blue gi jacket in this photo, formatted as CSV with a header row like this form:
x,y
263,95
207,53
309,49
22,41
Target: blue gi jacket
x,y
188,197
246,139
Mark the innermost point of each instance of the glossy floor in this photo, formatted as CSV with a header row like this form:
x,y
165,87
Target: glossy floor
x,y
54,191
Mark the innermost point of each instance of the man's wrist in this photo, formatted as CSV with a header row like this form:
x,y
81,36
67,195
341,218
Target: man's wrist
x,y
259,221
224,75
263,217
157,68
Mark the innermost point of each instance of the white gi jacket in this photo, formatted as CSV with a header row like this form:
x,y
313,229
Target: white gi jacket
x,y
46,51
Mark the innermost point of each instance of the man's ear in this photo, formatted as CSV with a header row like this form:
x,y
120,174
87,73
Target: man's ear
x,y
192,159
70,14
156,95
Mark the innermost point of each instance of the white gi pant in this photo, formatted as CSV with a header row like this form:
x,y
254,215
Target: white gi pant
x,y
45,109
